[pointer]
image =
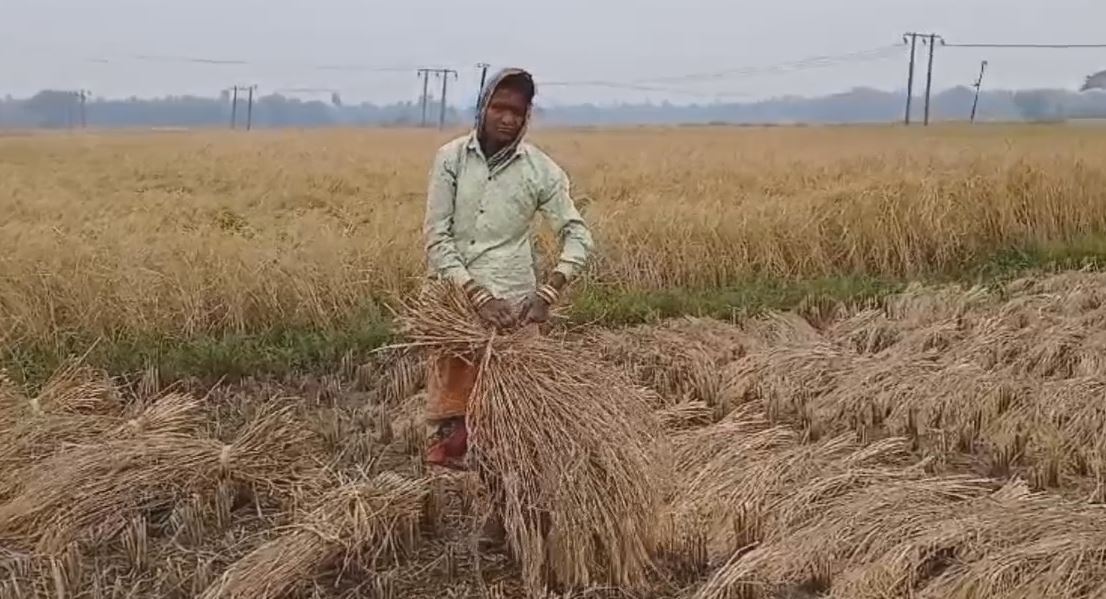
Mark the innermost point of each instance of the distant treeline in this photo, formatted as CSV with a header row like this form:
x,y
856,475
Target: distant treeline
x,y
56,109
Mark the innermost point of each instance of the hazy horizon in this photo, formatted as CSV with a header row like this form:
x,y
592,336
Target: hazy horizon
x,y
120,48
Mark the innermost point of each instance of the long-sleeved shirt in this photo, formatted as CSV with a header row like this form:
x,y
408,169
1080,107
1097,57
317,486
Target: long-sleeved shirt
x,y
478,221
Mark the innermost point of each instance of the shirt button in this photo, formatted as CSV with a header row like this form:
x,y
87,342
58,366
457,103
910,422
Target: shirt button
x,y
473,242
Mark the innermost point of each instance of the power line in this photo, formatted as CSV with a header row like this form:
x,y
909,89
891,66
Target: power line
x,y
163,58
236,62
635,87
812,62
809,63
1029,46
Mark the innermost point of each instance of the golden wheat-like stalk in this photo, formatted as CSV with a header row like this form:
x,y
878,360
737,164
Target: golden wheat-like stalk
x,y
574,456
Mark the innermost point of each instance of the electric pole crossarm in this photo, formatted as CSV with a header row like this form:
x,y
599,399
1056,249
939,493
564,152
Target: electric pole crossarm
x,y
931,40
445,74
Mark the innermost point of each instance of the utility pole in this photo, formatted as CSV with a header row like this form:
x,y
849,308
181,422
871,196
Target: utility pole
x,y
425,74
444,74
249,109
978,85
483,66
234,105
929,72
927,38
910,74
82,96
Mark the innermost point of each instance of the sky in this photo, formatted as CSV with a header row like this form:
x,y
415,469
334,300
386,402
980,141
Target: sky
x,y
680,51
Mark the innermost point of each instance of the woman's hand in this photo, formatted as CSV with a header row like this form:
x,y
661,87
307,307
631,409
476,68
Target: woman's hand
x,y
498,313
535,309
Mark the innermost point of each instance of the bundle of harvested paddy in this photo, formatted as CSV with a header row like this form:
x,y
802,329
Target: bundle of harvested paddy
x,y
92,490
836,522
689,414
941,408
733,476
919,306
368,522
573,452
74,389
681,359
865,332
1059,433
949,404
37,437
1010,544
784,379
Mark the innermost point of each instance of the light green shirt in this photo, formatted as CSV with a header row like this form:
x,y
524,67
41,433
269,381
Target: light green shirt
x,y
478,223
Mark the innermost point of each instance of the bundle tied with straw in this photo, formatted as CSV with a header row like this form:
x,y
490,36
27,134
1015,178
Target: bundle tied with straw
x,y
572,453
371,521
93,490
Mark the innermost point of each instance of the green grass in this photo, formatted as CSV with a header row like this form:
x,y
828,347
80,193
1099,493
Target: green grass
x,y
289,350
611,306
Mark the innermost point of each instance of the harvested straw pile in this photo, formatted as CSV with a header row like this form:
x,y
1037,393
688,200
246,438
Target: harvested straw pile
x,y
79,405
78,398
1010,544
367,523
835,522
1002,385
573,452
91,491
36,438
682,359
918,537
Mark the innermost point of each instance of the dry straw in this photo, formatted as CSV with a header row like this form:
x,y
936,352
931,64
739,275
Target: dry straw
x,y
834,522
737,477
1011,386
1005,545
92,490
574,456
681,359
370,522
79,405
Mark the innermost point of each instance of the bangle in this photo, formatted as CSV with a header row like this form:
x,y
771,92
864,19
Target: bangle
x,y
480,297
548,293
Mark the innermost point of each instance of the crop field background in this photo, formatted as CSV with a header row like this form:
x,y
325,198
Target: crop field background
x,y
874,359
190,249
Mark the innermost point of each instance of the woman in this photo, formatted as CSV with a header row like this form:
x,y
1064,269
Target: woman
x,y
485,190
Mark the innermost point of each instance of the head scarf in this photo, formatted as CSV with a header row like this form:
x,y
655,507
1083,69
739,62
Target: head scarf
x,y
485,97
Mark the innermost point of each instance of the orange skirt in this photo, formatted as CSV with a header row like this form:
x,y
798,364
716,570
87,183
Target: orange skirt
x,y
450,384
449,387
